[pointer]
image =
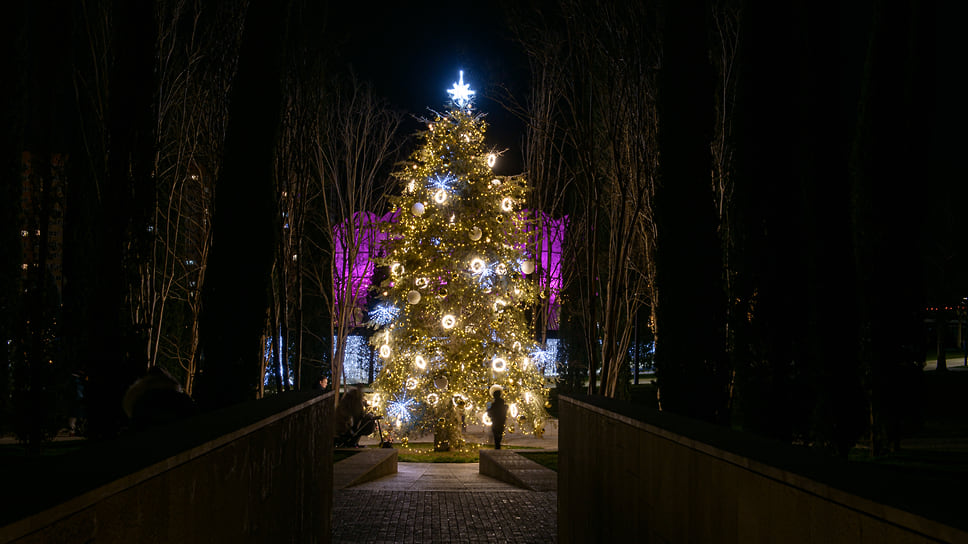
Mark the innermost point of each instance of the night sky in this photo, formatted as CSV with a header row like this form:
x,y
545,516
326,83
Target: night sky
x,y
412,56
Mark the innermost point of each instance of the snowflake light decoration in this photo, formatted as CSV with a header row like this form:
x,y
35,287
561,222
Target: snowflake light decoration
x,y
444,182
461,93
384,314
542,357
399,408
485,274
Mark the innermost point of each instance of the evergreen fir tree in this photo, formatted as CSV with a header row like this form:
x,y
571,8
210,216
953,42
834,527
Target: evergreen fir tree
x,y
451,316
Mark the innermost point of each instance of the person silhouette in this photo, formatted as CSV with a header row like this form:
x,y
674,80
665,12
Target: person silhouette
x,y
498,412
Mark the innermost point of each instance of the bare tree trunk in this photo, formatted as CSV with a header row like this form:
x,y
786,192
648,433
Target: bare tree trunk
x,y
355,147
235,295
691,358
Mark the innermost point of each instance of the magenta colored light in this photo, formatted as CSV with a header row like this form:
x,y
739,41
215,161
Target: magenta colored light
x,y
549,247
352,277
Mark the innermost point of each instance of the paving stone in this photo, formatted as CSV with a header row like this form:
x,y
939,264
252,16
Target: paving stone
x,y
446,517
449,503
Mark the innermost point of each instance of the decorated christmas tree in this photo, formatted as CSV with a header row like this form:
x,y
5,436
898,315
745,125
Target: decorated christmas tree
x,y
451,314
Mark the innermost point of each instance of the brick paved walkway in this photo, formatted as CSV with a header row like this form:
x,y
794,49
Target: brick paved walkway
x,y
442,503
443,516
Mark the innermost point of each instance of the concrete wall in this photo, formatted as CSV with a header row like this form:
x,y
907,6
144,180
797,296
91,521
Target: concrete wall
x,y
257,477
636,477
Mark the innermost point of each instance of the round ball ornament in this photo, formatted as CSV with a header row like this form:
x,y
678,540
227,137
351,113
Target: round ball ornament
x,y
413,297
527,266
440,382
417,209
475,234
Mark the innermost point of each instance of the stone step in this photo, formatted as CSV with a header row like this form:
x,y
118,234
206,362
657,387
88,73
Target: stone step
x,y
365,465
508,466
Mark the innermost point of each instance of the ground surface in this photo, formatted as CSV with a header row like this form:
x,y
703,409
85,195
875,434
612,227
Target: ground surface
x,y
380,515
447,502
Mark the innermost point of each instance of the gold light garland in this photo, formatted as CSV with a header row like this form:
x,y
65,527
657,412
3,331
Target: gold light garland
x,y
472,333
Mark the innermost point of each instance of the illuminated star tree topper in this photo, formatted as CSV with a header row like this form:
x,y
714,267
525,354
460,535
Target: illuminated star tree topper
x,y
458,289
461,93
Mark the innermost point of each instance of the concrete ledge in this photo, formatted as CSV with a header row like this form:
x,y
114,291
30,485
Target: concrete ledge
x,y
369,464
508,466
647,476
254,472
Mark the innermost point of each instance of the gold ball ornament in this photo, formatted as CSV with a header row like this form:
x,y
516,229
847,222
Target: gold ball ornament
x,y
475,234
413,297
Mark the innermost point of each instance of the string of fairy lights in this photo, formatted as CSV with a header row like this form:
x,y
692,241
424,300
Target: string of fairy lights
x,y
451,322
